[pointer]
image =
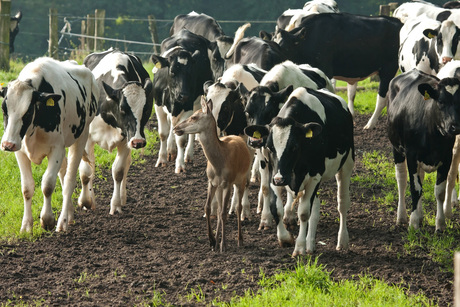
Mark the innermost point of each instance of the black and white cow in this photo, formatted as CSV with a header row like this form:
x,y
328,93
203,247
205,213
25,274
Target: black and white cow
x,y
263,104
357,47
179,75
451,5
451,70
14,29
423,119
410,10
249,75
427,44
309,141
47,109
265,54
125,105
206,26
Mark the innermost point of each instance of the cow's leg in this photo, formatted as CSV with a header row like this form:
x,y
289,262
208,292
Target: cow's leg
x,y
441,195
87,170
255,170
416,190
401,180
289,218
380,104
180,142
351,94
343,179
120,169
266,217
70,181
285,238
163,131
306,203
312,226
62,170
28,189
189,150
451,178
172,140
55,159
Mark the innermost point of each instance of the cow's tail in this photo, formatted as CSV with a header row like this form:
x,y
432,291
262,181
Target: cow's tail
x,y
239,34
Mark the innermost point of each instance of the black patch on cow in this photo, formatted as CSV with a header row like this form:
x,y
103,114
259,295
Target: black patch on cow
x,y
81,112
443,15
315,77
82,89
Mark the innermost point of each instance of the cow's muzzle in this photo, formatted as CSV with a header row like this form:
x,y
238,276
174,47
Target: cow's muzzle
x,y
8,146
138,143
279,180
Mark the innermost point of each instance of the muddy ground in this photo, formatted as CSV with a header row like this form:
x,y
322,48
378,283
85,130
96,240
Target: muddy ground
x,y
160,244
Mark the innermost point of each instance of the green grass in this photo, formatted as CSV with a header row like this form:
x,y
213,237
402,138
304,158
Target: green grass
x,y
310,284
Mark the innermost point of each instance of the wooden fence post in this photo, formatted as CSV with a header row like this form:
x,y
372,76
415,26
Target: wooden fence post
x,y
5,8
53,34
82,38
90,32
457,279
99,29
153,32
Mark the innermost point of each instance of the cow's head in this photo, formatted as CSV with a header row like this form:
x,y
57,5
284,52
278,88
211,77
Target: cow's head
x,y
286,142
181,86
447,41
129,109
264,103
446,112
20,107
288,40
215,51
227,105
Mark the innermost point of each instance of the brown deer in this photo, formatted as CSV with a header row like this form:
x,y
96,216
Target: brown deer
x,y
228,164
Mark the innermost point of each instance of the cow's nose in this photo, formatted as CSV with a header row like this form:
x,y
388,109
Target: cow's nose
x,y
138,143
454,129
8,146
446,59
279,180
183,97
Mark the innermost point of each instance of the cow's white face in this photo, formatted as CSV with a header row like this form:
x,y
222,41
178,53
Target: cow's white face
x,y
18,113
218,93
135,103
448,44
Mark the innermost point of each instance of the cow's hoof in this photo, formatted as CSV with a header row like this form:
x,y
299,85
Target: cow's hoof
x,y
171,157
287,243
161,164
87,205
180,170
48,223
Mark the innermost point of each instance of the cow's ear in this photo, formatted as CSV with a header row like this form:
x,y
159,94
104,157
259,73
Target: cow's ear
x,y
257,131
242,90
196,54
159,62
206,86
311,130
148,87
111,92
302,34
48,99
265,35
430,33
3,91
428,92
283,95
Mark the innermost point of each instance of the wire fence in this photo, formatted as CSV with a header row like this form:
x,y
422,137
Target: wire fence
x,y
125,33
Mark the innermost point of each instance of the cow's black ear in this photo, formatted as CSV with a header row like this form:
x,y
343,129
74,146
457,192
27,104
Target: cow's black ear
x,y
159,62
148,87
265,35
206,86
283,94
302,34
242,89
48,99
3,91
430,33
428,92
111,92
311,130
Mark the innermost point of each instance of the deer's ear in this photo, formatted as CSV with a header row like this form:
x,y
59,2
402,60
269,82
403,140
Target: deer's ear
x,y
204,106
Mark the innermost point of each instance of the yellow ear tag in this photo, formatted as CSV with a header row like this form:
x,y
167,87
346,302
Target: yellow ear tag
x,y
50,102
426,96
309,134
256,135
158,65
430,35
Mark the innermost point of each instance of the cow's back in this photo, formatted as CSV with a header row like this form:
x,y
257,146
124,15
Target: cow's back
x,y
264,54
200,24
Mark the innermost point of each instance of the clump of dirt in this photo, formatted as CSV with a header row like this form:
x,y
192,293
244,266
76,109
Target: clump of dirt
x,y
160,244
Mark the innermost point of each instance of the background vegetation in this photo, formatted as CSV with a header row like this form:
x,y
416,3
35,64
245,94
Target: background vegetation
x,y
128,19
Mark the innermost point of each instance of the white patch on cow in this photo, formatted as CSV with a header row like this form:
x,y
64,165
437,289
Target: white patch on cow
x,y
169,51
429,168
109,64
217,94
311,101
238,73
267,98
342,101
135,96
418,187
106,136
280,138
452,89
182,61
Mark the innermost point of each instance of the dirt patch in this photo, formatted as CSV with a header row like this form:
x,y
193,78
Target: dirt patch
x,y
160,243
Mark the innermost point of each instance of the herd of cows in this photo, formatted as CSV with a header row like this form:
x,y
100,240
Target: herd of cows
x,y
275,92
